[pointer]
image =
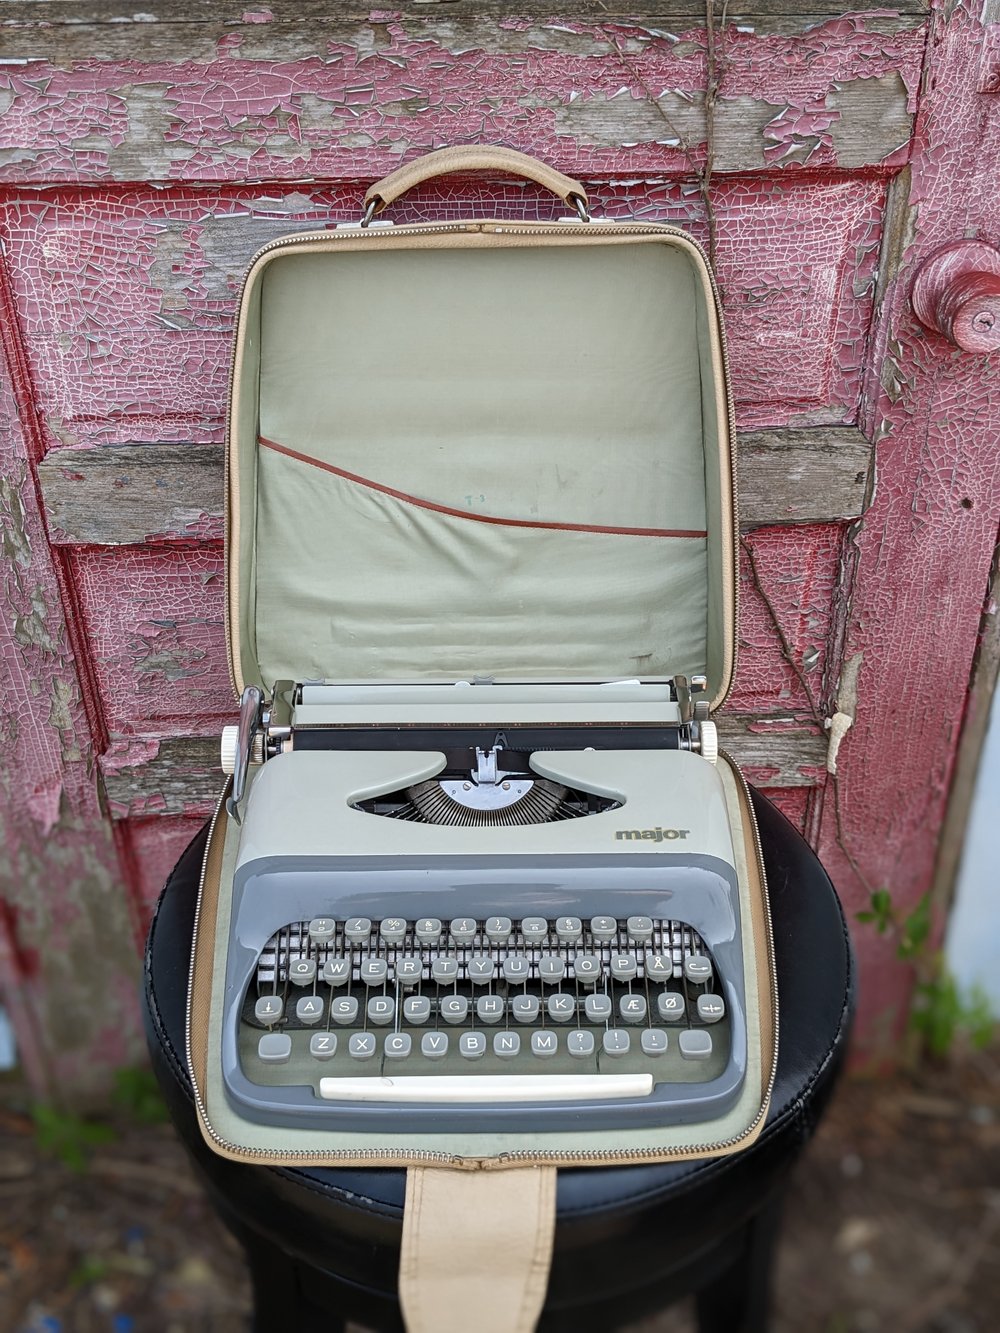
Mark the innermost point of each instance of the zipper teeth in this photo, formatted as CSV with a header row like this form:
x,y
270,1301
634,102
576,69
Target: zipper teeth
x,y
567,1156
516,229
269,1154
638,1154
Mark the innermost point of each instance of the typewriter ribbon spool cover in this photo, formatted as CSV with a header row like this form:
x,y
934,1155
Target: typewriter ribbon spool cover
x,y
481,893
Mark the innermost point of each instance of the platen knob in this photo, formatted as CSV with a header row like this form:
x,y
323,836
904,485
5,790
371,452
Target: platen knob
x,y
708,737
227,750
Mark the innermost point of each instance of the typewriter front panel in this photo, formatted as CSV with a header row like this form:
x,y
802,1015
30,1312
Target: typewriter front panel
x,y
489,993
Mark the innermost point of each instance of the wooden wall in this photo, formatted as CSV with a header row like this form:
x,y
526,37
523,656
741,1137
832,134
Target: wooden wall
x,y
143,159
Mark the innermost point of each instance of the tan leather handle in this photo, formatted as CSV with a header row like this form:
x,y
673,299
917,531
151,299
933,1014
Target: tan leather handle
x,y
473,157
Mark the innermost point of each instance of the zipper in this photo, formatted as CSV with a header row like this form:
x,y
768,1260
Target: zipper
x,y
503,229
270,1155
567,1157
611,1155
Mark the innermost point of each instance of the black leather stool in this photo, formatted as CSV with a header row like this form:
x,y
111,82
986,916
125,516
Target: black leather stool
x,y
323,1245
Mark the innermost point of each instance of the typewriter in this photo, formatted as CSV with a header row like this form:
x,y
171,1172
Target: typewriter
x,y
482,905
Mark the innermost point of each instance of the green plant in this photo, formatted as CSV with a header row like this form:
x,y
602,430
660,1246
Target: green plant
x,y
137,1095
939,1013
69,1137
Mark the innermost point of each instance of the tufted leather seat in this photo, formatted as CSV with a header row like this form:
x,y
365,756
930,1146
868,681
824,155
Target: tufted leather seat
x,y
323,1245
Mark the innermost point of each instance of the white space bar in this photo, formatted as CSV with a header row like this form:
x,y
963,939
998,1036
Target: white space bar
x,y
487,1088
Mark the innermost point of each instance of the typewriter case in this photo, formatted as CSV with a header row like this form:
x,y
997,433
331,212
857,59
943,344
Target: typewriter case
x,y
480,450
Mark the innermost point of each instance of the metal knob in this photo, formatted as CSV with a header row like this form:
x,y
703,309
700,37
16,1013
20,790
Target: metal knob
x,y
956,293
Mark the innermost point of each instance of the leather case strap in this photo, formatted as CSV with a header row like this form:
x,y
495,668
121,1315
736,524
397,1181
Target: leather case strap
x,y
472,157
477,1246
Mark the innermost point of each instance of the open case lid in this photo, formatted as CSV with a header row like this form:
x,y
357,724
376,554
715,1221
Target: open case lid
x,y
481,450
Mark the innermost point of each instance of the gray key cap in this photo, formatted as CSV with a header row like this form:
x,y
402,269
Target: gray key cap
x,y
624,967
409,971
587,968
561,1007
463,929
551,970
498,929
568,929
309,1009
580,1044
416,1009
392,929
516,968
534,929
361,1045
524,1008
598,1008
670,1006
697,968
653,1042
544,1044
269,1009
434,1045
454,1008
274,1048
302,972
659,966
337,971
397,1045
603,927
506,1044
374,971
323,1045
616,1041
640,928
472,1045
444,970
481,971
358,929
489,1008
711,1008
428,929
632,1008
695,1044
322,929
381,1010
344,1010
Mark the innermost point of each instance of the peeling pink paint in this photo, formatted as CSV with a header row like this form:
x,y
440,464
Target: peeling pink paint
x,y
127,302
925,549
354,106
120,314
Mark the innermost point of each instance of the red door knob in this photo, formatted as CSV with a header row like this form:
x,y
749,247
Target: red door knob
x,y
956,293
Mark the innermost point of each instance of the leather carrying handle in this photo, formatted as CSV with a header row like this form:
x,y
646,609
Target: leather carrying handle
x,y
473,157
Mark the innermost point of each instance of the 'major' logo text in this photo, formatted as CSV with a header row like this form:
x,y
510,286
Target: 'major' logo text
x,y
651,834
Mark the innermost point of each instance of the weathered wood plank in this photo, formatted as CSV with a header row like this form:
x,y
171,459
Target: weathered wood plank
x,y
179,13
349,97
180,775
127,315
116,495
67,952
912,622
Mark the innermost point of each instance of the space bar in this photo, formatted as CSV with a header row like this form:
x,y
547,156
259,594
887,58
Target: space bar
x,y
487,1088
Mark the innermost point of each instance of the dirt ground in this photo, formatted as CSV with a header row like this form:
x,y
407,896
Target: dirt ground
x,y
893,1223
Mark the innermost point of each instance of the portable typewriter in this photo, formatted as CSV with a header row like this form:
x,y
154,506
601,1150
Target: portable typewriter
x,y
483,886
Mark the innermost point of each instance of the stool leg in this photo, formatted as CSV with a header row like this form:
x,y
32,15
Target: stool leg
x,y
277,1299
738,1300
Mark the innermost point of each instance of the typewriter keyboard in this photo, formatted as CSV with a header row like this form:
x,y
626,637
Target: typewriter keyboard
x,y
446,999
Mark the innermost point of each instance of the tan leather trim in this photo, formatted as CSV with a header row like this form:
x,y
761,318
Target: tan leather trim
x,y
468,514
472,157
762,938
476,1250
200,999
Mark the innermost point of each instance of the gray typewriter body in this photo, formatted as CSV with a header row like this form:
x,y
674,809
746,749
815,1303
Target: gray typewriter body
x,y
580,972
